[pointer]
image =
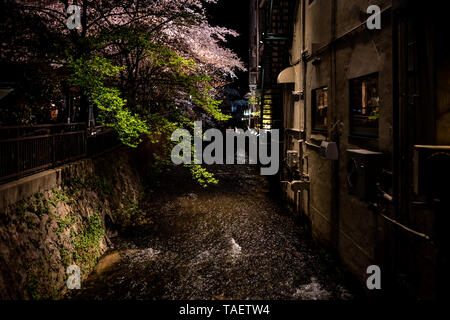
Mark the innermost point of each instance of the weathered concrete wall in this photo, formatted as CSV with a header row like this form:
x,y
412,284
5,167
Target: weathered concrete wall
x,y
320,171
318,24
60,217
336,48
361,230
350,14
353,230
24,188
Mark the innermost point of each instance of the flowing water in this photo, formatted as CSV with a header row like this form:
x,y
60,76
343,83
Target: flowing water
x,y
231,241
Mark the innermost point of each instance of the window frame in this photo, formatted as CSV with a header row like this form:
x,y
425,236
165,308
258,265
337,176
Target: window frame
x,y
314,128
352,131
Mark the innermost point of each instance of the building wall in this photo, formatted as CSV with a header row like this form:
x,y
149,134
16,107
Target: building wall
x,y
45,216
338,219
331,45
370,52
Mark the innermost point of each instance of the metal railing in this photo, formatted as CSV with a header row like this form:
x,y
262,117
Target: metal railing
x,y
25,150
38,130
100,140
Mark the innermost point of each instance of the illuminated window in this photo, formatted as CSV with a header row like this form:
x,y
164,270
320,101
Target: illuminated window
x,y
267,112
364,106
319,109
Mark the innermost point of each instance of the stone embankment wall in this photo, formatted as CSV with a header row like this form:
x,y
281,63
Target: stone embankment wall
x,y
64,217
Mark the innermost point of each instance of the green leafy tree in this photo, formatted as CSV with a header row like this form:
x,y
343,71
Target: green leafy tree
x,y
149,66
90,75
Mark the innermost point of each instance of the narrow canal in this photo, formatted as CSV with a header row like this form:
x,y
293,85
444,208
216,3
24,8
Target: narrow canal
x,y
230,241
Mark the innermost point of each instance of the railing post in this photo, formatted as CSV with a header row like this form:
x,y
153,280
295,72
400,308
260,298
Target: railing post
x,y
85,142
18,157
54,150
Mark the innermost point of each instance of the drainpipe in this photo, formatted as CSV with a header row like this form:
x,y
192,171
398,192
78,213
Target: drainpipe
x,y
305,63
270,16
305,96
392,234
334,135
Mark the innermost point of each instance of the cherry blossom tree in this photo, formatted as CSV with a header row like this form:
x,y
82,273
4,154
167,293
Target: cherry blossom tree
x,y
179,24
168,57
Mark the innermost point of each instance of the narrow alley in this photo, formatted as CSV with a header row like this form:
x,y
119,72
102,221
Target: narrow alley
x,y
229,241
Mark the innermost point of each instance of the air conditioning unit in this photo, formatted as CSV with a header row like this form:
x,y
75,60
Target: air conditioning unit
x,y
329,150
431,170
364,168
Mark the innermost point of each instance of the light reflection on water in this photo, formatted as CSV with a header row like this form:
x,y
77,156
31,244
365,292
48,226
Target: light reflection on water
x,y
231,241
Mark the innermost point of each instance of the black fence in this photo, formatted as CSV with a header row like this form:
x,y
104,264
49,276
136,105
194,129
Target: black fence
x,y
27,149
101,139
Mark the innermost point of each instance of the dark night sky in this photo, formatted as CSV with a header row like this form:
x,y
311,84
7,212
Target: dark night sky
x,y
234,14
